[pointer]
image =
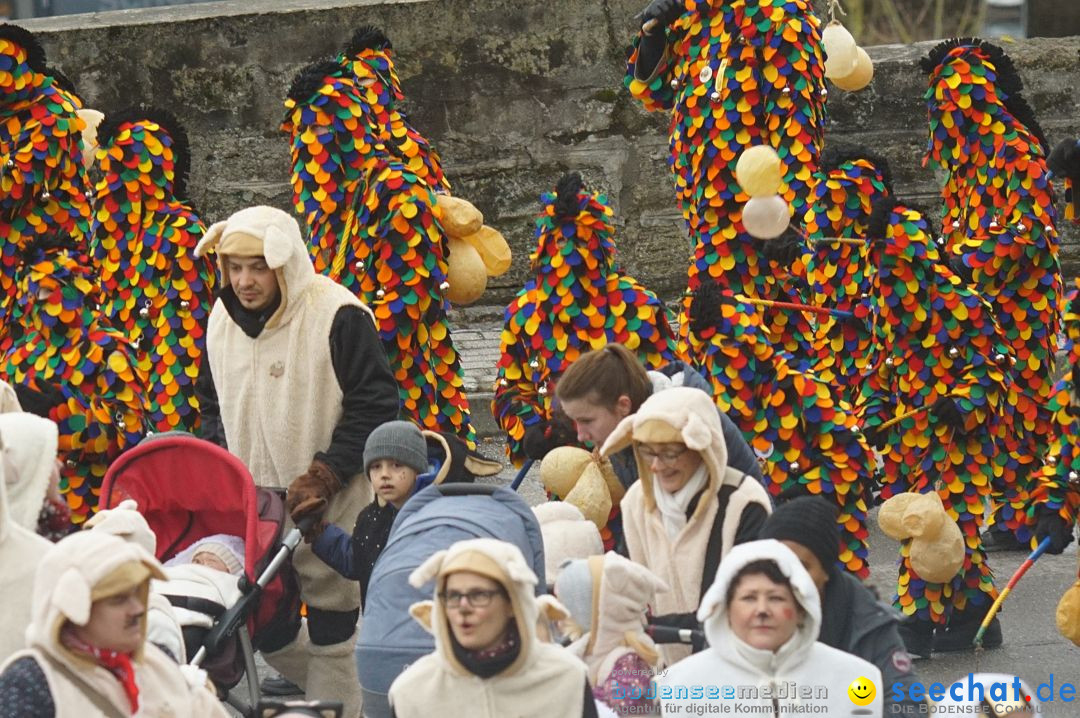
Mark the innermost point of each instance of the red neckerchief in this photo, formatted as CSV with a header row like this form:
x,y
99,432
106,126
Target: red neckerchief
x,y
119,664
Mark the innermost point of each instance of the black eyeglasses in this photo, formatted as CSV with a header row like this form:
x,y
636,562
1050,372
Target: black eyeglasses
x,y
477,598
666,458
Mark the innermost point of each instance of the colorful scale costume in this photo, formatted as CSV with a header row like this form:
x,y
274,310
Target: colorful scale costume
x,y
374,229
43,187
738,74
144,236
88,371
369,53
809,443
1056,484
577,300
999,222
935,338
840,275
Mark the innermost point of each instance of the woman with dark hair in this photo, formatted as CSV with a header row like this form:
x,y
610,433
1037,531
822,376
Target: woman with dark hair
x,y
603,387
762,616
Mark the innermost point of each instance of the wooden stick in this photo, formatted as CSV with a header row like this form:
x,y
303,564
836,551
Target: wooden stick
x,y
797,307
837,240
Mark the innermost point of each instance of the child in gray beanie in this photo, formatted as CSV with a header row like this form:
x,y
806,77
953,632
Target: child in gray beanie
x,y
395,454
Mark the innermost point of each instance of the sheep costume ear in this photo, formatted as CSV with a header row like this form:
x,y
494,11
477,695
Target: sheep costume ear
x,y
620,438
421,612
696,434
551,609
279,244
72,597
427,570
209,241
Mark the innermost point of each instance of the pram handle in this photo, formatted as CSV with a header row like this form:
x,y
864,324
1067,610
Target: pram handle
x,y
466,489
672,634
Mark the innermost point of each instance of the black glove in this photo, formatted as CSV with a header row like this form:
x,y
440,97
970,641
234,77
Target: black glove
x,y
1051,524
664,12
39,401
783,250
876,437
542,437
947,412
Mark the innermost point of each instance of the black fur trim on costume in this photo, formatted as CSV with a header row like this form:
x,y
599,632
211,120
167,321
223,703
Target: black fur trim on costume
x,y
567,204
112,123
833,157
1064,161
881,217
367,37
704,312
308,81
35,53
52,243
1022,112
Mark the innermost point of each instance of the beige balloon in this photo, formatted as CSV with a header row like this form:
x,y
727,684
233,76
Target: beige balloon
x,y
493,250
766,217
591,495
840,50
1068,614
861,74
561,467
891,515
459,217
938,559
466,273
759,171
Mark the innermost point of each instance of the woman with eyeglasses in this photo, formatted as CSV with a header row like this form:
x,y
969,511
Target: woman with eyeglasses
x,y
689,506
488,661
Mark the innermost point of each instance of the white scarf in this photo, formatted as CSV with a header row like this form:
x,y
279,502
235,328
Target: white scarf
x,y
673,506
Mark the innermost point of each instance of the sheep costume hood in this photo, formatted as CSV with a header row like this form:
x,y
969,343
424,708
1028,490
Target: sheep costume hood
x,y
619,592
270,233
30,444
544,676
678,415
20,551
801,659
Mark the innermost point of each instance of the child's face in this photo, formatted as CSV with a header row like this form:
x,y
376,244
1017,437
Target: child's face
x,y
205,558
392,481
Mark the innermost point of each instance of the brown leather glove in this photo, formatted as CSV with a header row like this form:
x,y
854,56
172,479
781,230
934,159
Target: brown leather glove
x,y
310,493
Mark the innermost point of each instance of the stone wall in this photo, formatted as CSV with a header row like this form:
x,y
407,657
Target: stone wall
x,y
511,93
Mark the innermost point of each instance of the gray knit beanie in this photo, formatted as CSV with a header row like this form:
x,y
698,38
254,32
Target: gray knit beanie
x,y
397,440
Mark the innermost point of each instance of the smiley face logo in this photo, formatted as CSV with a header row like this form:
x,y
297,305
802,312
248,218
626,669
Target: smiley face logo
x,y
862,691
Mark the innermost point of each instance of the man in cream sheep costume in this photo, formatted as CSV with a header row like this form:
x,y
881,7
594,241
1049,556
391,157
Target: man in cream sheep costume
x,y
802,659
294,380
69,661
543,680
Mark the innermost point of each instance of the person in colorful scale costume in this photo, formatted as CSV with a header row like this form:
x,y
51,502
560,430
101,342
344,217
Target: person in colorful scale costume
x,y
43,186
369,53
839,274
577,300
1055,490
144,236
70,365
1064,163
732,75
808,442
374,229
999,219
934,402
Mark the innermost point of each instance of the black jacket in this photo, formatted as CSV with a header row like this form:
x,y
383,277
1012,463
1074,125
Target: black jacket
x,y
853,620
370,392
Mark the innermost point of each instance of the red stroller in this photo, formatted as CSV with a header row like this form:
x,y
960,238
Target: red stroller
x,y
187,489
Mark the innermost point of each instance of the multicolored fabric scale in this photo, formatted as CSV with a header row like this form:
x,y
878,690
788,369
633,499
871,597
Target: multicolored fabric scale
x,y
577,300
43,185
144,235
999,219
809,443
69,352
374,228
935,338
1056,484
840,274
737,74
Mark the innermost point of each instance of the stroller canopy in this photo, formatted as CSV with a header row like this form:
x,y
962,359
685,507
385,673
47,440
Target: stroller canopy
x,y
433,519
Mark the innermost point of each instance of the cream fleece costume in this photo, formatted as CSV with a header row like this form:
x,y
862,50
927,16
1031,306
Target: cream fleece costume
x,y
688,562
729,661
291,390
30,443
616,648
544,680
8,400
64,588
567,535
20,551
